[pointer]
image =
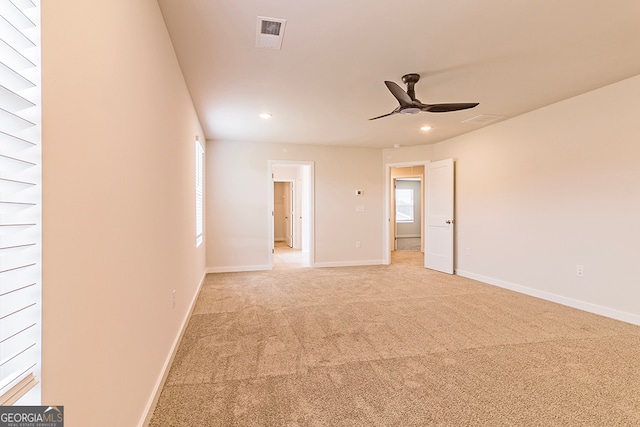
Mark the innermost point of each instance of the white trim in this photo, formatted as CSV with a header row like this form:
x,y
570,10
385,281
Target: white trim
x,y
245,268
270,214
164,373
238,268
548,296
349,263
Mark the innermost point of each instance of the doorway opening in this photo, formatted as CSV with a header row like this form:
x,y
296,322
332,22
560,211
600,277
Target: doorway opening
x,y
438,212
283,212
409,216
291,214
405,212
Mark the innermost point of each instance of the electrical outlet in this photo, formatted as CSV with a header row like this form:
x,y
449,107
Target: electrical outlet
x,y
580,271
357,243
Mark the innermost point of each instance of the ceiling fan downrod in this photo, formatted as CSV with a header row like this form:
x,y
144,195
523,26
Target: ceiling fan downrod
x,y
410,80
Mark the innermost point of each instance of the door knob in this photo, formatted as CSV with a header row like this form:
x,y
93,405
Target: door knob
x,y
449,221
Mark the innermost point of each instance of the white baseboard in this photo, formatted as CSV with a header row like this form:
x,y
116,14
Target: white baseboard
x,y
153,400
242,268
238,268
349,263
570,302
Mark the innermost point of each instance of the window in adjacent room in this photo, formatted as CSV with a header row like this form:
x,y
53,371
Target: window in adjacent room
x,y
404,205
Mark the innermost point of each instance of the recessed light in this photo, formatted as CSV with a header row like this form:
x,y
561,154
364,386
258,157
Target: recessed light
x,y
397,145
265,115
425,128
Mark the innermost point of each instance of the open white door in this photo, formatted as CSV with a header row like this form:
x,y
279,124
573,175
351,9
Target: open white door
x,y
438,248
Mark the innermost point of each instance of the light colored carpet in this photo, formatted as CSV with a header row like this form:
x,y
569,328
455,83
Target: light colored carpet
x,y
395,345
408,244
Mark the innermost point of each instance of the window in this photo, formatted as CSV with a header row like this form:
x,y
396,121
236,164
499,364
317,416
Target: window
x,y
20,203
199,191
404,205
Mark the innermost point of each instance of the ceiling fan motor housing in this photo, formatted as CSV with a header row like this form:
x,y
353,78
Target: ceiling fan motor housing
x,y
410,110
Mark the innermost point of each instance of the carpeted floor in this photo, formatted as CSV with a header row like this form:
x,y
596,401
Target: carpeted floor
x,y
395,345
408,244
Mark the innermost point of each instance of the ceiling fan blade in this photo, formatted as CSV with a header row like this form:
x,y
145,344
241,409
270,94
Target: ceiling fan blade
x,y
443,108
403,98
385,115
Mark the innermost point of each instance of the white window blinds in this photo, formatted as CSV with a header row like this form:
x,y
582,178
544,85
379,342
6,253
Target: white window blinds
x,y
199,193
20,200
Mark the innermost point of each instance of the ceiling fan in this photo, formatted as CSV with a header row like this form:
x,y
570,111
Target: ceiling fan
x,y
410,105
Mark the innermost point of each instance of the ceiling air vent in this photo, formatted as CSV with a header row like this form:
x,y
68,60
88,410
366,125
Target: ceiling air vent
x,y
269,32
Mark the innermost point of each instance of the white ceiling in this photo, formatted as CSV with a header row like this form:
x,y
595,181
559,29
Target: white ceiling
x,y
511,56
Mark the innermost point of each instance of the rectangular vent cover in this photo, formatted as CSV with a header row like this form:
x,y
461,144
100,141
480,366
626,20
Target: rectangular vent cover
x,y
269,32
271,28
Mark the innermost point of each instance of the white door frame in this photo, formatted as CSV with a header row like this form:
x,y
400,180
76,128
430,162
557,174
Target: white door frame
x,y
309,224
388,187
291,233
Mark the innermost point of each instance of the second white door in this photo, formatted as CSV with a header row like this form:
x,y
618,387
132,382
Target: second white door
x,y
439,221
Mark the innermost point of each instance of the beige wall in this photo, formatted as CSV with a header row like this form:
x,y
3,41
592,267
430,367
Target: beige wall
x,y
238,203
118,201
401,155
546,191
